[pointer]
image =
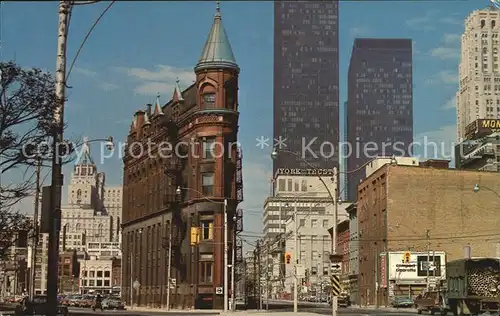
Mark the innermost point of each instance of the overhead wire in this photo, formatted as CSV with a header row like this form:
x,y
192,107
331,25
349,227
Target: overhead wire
x,y
96,22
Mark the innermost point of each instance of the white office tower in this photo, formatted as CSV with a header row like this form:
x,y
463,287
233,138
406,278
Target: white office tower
x,y
478,96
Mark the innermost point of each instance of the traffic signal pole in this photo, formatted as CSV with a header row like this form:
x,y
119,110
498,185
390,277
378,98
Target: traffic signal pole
x,y
295,253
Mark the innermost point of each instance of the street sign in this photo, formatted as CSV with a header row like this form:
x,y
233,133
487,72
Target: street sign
x,y
335,285
336,268
173,283
300,271
219,290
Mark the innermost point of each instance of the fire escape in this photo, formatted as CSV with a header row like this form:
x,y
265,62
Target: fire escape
x,y
238,228
173,170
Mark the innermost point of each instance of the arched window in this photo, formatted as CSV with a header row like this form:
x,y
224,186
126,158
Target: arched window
x,y
100,230
493,23
483,23
77,227
208,100
79,196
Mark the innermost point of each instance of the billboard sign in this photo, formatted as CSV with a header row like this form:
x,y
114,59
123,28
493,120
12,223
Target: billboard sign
x,y
406,265
304,172
481,128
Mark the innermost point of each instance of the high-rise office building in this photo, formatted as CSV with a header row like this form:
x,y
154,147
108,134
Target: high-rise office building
x,y
380,104
478,96
306,82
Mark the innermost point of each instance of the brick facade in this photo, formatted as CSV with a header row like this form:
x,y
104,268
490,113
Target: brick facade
x,y
154,213
398,204
343,245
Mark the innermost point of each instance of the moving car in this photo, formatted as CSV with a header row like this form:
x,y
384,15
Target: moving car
x,y
113,303
37,306
342,301
402,302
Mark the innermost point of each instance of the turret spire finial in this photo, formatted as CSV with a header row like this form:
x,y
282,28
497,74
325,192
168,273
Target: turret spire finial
x,y
217,7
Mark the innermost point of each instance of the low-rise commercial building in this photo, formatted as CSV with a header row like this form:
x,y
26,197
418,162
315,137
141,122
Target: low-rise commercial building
x,y
406,208
98,276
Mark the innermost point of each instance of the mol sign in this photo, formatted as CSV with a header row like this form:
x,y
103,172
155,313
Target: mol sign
x,y
407,265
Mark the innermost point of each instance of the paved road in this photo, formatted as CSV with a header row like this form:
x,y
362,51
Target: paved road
x,y
88,311
353,311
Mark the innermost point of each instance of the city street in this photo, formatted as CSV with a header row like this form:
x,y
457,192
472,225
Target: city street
x,y
275,312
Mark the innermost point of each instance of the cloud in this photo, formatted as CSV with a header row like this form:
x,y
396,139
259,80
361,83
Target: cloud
x,y
438,143
161,79
450,104
451,20
422,23
451,38
106,86
448,49
445,53
85,72
257,174
443,77
359,31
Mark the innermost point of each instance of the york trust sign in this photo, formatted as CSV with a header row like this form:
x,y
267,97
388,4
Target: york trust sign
x,y
305,172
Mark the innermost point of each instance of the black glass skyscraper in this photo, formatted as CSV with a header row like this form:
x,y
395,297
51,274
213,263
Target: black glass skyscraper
x,y
306,83
380,104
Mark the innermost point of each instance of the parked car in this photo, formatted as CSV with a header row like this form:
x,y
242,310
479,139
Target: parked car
x,y
402,302
113,303
37,306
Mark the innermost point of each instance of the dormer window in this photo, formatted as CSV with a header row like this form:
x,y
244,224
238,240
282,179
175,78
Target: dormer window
x,y
208,100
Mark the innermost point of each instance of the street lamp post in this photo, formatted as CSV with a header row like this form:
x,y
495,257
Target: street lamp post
x,y
477,188
226,248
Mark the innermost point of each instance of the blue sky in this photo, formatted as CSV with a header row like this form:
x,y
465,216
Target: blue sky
x,y
140,48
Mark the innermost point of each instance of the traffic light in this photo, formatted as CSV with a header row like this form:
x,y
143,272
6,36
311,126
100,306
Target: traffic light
x,y
288,258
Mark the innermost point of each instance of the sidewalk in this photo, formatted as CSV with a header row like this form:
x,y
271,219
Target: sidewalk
x,y
180,311
262,313
384,308
221,313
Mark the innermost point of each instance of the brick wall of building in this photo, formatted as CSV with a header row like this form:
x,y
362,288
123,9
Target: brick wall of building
x,y
398,204
343,245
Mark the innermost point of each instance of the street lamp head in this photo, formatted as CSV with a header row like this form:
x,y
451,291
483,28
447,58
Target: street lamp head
x,y
109,143
274,154
476,188
178,191
394,162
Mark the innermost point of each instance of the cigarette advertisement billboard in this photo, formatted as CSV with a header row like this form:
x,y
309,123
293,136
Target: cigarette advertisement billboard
x,y
406,265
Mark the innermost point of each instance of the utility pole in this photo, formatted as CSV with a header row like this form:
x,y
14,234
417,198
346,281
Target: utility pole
x,y
255,276
259,273
295,254
169,271
267,276
334,235
57,176
36,233
226,250
428,257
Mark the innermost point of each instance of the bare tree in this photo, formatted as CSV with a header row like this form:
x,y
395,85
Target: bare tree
x,y
27,103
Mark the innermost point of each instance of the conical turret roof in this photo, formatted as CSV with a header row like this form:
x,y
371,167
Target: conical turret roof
x,y
217,52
